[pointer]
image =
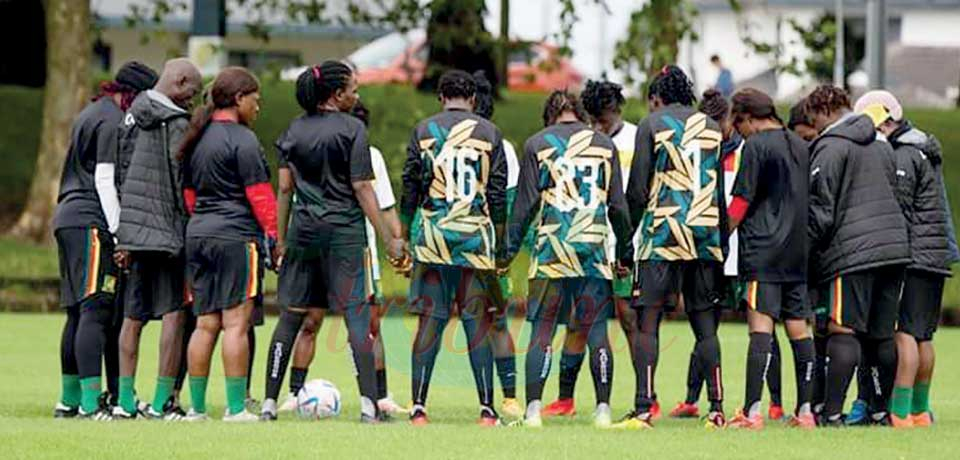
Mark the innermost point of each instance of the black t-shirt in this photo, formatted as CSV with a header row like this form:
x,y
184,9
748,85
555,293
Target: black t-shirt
x,y
774,178
326,153
94,130
224,163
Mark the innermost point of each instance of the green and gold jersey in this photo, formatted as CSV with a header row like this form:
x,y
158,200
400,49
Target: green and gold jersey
x,y
570,181
455,179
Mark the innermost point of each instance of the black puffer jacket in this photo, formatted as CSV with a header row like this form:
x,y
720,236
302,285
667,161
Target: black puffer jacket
x,y
152,215
922,195
855,220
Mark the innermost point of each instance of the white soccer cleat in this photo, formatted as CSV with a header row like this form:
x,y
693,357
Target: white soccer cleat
x,y
243,416
289,403
602,417
193,416
390,406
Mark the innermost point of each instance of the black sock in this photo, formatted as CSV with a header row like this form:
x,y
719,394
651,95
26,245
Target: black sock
x,y
298,376
819,372
95,316
694,380
646,356
189,325
361,347
804,360
481,356
278,355
881,357
381,384
601,361
252,345
507,373
774,372
843,355
111,358
758,362
865,387
426,345
707,349
68,355
570,364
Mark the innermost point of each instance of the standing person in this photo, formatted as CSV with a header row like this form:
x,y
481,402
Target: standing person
x,y
724,83
325,161
676,179
85,245
456,177
801,124
151,233
227,191
603,101
572,175
920,186
860,245
769,206
503,345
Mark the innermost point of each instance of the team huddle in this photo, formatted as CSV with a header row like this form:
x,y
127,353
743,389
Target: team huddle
x,y
835,225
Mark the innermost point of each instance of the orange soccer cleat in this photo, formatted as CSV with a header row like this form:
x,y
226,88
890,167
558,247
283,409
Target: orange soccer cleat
x,y
922,420
744,422
775,412
655,412
685,410
560,408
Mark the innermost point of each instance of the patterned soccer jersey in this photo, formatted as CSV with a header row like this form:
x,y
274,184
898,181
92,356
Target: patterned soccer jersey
x,y
455,178
571,175
675,179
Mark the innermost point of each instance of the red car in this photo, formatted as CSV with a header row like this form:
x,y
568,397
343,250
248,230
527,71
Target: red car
x,y
402,58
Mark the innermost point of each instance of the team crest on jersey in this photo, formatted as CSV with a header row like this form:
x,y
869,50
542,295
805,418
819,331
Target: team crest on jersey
x,y
456,225
681,221
575,179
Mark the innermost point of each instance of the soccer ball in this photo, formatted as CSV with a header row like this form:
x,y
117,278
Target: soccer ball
x,y
318,399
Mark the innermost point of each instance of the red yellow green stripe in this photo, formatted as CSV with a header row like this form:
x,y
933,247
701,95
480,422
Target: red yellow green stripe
x,y
752,289
253,281
836,311
91,282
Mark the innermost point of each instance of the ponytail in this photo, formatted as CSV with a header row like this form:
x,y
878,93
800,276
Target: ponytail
x,y
198,125
230,83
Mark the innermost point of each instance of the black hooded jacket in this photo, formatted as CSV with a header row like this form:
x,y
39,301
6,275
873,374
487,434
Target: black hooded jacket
x,y
855,221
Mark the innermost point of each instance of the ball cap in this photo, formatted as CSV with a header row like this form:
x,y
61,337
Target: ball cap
x,y
136,75
880,106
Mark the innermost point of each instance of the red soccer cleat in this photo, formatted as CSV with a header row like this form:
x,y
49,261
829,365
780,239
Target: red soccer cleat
x,y
560,408
805,421
419,418
775,412
742,421
655,413
685,410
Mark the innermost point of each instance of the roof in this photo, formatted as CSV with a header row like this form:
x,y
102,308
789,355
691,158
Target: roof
x,y
717,5
183,24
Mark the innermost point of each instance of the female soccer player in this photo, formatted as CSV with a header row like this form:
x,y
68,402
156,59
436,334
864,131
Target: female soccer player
x,y
571,174
228,194
769,209
325,161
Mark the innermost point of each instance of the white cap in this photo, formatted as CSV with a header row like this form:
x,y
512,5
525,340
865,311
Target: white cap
x,y
883,98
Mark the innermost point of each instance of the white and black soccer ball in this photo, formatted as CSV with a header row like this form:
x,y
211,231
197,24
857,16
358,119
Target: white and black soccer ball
x,y
318,399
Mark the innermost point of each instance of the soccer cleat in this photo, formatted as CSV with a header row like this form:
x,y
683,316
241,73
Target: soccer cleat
x,y
602,417
744,422
63,411
390,406
252,405
289,404
836,421
922,420
367,419
511,407
775,412
384,417
804,421
119,413
193,416
900,423
488,417
655,413
172,409
174,415
685,410
103,401
418,416
859,414
715,421
268,416
881,419
533,421
560,408
634,421
99,415
243,416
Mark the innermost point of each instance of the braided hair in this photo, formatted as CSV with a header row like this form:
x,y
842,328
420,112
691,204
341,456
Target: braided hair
x,y
826,99
561,101
484,93
714,105
231,82
317,84
673,86
456,84
602,96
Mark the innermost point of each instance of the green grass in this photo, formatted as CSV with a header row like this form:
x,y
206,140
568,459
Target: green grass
x,y
29,383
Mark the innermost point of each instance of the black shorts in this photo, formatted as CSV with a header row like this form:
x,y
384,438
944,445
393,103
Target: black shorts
x,y
659,284
86,264
780,301
866,301
920,304
154,285
224,274
576,302
440,290
322,277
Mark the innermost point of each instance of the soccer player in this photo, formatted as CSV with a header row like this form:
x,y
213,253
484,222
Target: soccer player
x,y
502,342
325,161
85,245
860,244
920,184
151,233
572,176
676,180
769,207
456,176
603,101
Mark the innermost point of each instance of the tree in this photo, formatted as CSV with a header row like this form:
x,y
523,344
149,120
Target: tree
x,y
67,89
458,39
653,38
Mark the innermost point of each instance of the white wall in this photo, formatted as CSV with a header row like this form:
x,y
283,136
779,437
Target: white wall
x,y
931,28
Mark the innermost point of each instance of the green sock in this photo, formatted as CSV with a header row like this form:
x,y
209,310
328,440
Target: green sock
x,y
236,394
900,401
921,398
198,394
90,394
70,390
164,388
127,399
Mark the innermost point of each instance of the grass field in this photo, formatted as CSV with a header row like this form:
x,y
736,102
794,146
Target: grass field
x,y
30,385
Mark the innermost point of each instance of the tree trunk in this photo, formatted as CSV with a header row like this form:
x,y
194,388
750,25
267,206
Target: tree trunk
x,y
504,59
67,88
